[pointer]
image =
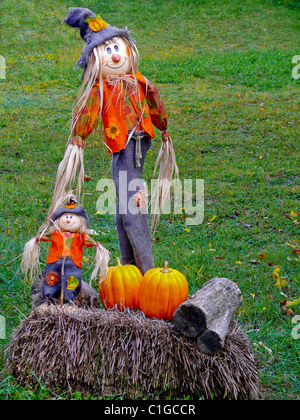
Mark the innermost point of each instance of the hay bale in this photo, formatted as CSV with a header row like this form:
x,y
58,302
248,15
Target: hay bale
x,y
102,352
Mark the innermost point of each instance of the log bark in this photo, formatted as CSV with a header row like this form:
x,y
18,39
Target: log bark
x,y
207,314
87,298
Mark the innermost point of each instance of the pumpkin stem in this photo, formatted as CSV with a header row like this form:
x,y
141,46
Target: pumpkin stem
x,y
166,266
118,262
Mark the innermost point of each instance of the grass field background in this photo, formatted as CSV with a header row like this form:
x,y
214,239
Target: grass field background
x,y
224,71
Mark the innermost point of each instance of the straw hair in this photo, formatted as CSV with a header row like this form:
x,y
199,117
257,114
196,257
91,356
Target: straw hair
x,y
72,163
98,352
166,161
101,263
30,260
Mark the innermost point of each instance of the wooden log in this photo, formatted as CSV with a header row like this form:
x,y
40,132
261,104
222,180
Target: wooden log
x,y
87,298
213,338
208,313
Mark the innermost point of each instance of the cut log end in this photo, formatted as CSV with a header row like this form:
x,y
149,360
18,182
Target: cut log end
x,y
209,342
207,314
189,321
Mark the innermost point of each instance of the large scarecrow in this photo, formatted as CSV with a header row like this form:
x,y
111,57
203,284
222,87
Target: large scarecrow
x,y
124,105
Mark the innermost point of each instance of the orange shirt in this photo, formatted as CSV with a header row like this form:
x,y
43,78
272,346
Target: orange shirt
x,y
122,112
71,246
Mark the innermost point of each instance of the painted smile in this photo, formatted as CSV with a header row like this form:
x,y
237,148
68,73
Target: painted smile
x,y
116,68
69,224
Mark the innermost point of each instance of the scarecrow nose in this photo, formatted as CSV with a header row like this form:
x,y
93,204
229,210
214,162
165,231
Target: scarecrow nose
x,y
116,57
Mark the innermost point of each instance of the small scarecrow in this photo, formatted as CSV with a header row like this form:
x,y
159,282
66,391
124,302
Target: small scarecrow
x,y
68,233
124,105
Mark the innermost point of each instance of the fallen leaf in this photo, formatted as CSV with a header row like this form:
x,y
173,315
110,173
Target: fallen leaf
x,y
291,245
294,302
254,262
276,272
280,281
262,256
218,257
211,220
239,262
284,306
296,251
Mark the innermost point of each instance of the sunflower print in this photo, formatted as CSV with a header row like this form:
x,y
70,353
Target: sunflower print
x,y
112,131
52,278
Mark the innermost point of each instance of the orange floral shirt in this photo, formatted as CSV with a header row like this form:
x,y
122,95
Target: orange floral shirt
x,y
88,120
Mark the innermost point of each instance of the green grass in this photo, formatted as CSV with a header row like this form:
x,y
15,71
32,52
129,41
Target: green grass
x,y
215,63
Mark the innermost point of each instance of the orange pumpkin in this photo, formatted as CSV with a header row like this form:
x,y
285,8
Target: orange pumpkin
x,y
162,291
121,287
97,24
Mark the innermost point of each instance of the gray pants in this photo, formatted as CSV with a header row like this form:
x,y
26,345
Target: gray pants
x,y
133,229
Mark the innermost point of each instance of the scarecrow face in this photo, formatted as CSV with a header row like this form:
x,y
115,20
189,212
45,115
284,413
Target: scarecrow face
x,y
69,222
116,57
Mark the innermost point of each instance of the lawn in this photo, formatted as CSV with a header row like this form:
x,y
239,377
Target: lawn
x,y
224,69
